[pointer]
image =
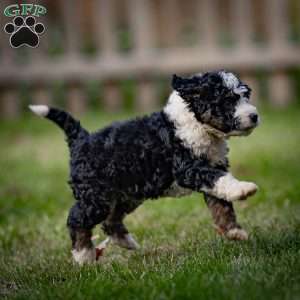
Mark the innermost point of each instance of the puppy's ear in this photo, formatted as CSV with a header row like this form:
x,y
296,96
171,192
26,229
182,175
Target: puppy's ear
x,y
176,82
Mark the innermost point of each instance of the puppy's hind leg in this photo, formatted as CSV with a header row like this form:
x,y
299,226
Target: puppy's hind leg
x,y
114,227
81,220
225,219
83,250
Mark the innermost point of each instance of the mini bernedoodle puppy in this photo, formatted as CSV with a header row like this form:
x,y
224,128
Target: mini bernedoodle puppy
x,y
181,149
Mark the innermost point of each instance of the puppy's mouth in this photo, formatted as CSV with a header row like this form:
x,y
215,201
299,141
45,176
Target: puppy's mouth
x,y
242,131
236,130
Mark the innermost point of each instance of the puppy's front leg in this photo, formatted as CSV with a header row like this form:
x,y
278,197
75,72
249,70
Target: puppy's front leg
x,y
225,219
200,176
229,188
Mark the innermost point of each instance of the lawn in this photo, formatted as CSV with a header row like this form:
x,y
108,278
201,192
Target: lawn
x,y
181,256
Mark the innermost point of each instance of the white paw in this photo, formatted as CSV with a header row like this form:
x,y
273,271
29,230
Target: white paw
x,y
126,241
229,188
237,234
84,256
241,190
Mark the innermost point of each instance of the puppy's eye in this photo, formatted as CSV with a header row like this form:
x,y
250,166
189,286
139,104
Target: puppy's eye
x,y
247,94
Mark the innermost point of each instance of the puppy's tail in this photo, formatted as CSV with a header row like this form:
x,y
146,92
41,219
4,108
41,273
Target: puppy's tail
x,y
64,120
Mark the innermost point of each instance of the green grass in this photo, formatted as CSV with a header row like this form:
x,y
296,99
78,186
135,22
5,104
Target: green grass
x,y
181,256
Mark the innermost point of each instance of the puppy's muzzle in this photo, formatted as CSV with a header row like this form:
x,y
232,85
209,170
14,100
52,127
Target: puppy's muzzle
x,y
246,117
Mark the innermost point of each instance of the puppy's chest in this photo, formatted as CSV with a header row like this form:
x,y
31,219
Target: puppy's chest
x,y
198,139
214,149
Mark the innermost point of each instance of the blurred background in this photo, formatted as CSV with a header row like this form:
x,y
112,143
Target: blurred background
x,y
117,55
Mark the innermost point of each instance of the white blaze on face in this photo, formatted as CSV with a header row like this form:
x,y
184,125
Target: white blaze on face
x,y
230,80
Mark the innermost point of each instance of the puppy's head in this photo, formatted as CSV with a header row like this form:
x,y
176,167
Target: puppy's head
x,y
220,100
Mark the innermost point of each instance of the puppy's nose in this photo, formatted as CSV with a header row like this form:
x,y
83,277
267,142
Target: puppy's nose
x,y
253,117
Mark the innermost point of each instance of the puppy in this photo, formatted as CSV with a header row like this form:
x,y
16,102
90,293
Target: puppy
x,y
172,152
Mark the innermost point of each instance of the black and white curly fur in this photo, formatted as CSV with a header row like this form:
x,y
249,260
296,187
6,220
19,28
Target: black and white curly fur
x,y
172,152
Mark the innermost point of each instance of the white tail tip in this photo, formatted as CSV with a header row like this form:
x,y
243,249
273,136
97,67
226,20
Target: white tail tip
x,y
40,110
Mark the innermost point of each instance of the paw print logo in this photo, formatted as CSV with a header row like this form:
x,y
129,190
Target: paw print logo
x,y
24,32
